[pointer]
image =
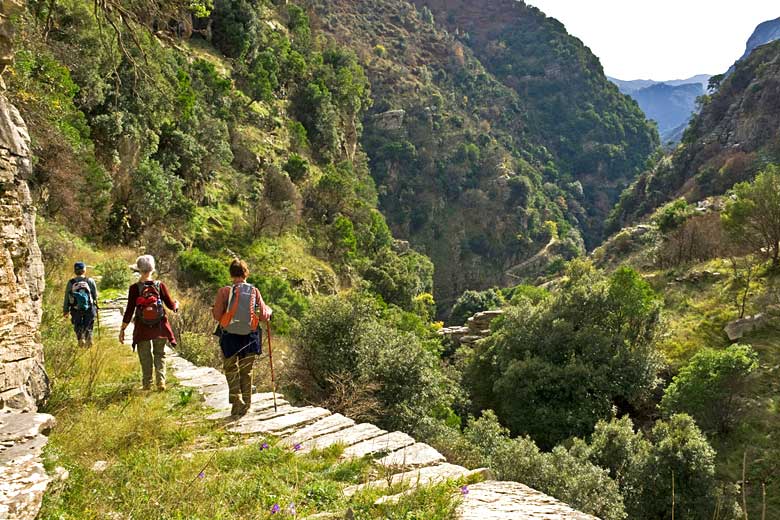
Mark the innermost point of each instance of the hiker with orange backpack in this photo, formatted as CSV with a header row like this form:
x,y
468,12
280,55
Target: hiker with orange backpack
x,y
146,303
80,304
239,309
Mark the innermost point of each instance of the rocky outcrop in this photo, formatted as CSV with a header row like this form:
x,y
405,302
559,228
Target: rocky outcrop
x,y
23,381
390,120
738,328
476,328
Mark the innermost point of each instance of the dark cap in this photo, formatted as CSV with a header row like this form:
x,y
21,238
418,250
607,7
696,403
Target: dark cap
x,y
79,266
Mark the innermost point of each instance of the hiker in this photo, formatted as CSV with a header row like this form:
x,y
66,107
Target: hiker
x,y
239,309
146,302
81,299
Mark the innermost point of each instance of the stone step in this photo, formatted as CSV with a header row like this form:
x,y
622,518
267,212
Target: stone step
x,y
15,426
347,437
491,500
418,477
416,455
259,403
330,424
285,422
386,443
468,475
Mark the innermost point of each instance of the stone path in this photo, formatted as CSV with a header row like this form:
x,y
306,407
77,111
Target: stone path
x,y
406,461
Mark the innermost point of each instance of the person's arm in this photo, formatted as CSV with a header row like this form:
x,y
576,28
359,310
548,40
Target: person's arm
x,y
132,295
66,303
167,300
220,303
265,310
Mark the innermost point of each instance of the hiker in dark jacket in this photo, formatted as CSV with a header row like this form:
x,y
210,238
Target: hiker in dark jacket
x,y
239,309
80,304
146,302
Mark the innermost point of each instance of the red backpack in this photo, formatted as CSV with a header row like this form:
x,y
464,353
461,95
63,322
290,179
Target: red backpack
x,y
149,307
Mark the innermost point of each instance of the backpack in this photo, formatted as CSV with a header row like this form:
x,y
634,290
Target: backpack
x,y
80,295
149,308
241,316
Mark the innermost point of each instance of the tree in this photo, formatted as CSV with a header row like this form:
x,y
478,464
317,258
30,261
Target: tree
x,y
472,302
709,386
753,214
553,369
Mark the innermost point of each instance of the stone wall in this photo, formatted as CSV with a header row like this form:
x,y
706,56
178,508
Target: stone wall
x,y
23,381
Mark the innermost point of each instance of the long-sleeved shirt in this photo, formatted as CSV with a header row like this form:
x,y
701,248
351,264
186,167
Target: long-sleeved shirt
x,y
92,289
141,331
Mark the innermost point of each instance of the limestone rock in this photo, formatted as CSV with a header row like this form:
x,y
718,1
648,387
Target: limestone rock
x,y
738,328
417,477
330,424
347,437
491,500
383,444
390,120
279,423
418,454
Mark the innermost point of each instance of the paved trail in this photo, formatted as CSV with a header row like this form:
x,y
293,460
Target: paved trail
x,y
410,462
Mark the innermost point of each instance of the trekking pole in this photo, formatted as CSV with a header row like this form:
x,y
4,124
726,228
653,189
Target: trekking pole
x,y
97,315
271,360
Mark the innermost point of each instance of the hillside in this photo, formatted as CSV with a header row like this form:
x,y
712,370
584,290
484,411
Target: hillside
x,y
669,106
471,164
765,32
735,134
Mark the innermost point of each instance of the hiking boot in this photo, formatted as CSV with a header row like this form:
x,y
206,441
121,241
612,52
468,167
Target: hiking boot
x,y
161,387
146,388
237,409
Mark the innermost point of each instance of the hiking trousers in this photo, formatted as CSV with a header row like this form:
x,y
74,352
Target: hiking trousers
x,y
83,322
238,372
151,353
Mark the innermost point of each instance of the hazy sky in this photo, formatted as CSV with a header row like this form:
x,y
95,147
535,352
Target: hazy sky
x,y
662,39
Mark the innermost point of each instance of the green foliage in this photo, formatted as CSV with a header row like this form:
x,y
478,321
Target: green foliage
x,y
288,304
753,215
577,482
515,294
709,387
400,278
472,302
197,267
342,340
235,26
297,168
673,215
114,274
554,368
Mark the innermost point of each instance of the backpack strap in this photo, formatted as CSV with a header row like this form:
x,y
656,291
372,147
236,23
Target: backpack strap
x,y
231,308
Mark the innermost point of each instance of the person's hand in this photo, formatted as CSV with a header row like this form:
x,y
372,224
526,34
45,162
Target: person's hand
x,y
122,336
65,315
176,306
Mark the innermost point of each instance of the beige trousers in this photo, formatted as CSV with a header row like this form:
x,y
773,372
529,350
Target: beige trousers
x,y
238,373
152,354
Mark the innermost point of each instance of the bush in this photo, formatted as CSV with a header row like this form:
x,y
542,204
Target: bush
x,y
114,274
673,215
197,267
342,342
553,369
288,305
296,167
472,302
709,387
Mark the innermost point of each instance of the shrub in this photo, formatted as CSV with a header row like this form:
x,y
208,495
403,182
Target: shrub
x,y
399,279
114,274
296,167
673,215
709,386
553,369
197,267
472,302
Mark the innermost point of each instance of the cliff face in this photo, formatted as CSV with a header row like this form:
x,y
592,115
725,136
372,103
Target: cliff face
x,y
23,381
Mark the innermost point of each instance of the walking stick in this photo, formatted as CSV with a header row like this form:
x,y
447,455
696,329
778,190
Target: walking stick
x,y
271,360
97,315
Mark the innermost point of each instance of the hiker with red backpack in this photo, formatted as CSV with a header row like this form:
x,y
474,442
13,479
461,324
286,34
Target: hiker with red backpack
x,y
239,308
80,304
146,303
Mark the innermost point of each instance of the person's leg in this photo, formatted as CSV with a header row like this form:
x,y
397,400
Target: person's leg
x,y
145,356
88,324
159,362
76,318
245,365
230,367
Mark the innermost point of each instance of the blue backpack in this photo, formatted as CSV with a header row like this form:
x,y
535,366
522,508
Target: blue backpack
x,y
80,295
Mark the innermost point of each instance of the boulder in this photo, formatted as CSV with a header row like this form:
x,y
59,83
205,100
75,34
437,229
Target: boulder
x,y
738,328
390,120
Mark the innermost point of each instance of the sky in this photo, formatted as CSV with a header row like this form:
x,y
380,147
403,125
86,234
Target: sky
x,y
662,39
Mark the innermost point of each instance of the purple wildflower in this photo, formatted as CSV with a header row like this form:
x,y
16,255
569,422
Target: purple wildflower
x,y
275,509
264,446
464,490
297,447
202,474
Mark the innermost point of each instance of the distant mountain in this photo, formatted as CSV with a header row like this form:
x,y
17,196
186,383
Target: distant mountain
x,y
669,103
766,32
